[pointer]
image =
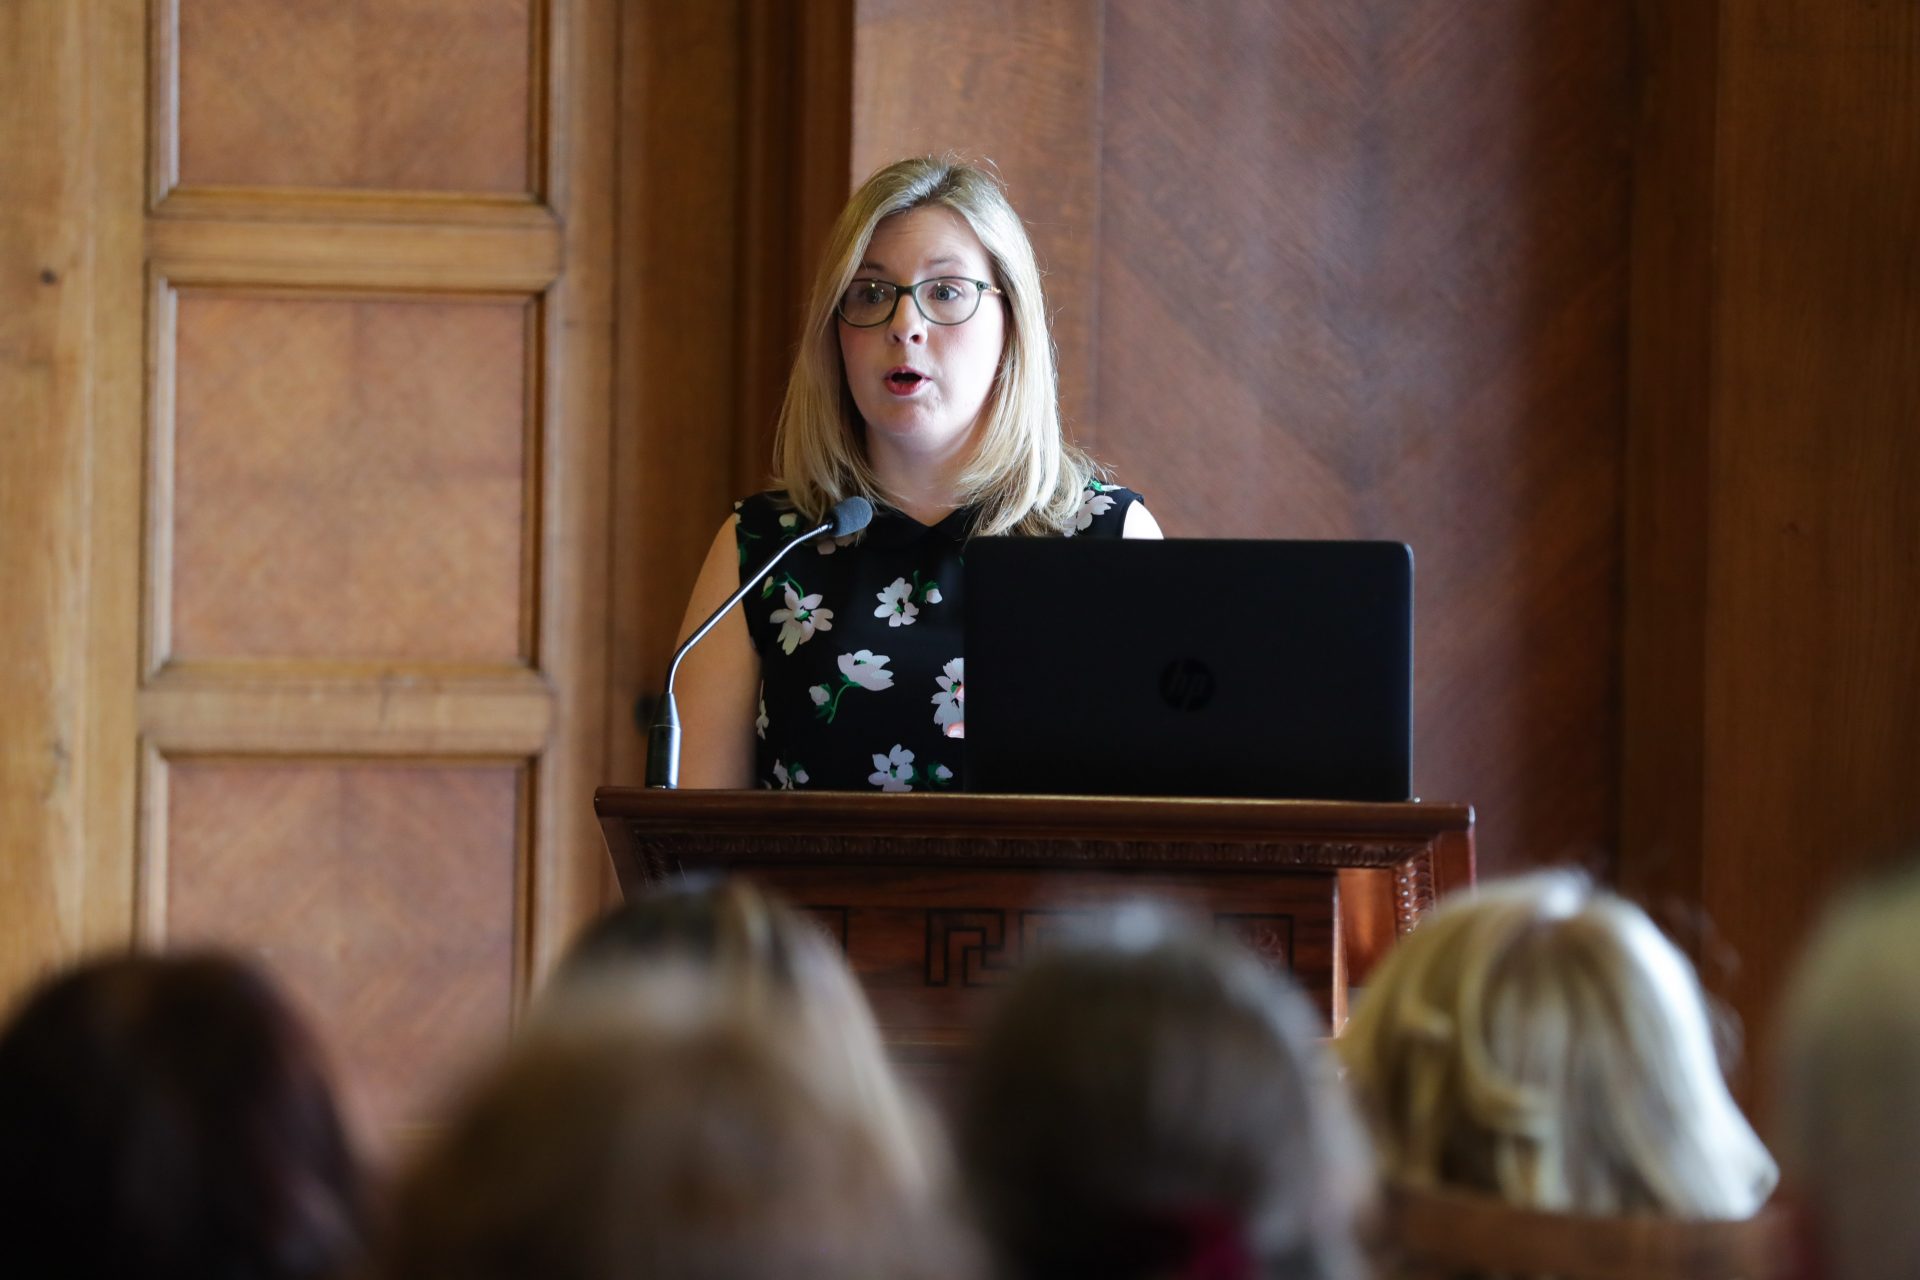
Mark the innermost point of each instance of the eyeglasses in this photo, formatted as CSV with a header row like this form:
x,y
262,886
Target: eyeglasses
x,y
942,300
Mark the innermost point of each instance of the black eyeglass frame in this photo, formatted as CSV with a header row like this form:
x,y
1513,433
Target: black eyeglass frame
x,y
913,291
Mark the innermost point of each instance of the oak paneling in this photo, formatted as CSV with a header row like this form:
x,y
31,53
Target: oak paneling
x,y
1362,274
678,385
1790,477
71,132
388,94
349,479
386,897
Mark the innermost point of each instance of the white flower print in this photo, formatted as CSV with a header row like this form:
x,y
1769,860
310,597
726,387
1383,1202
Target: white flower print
x,y
933,594
789,520
827,546
942,774
801,618
893,771
867,669
950,703
1092,503
896,604
789,779
862,669
760,722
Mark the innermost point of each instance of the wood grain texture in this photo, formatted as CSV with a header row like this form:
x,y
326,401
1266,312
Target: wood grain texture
x,y
71,357
677,397
350,479
386,898
1362,274
45,348
575,395
388,94
262,245
1813,601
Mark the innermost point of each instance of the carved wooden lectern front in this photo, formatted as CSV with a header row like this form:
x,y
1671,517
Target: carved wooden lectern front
x,y
936,898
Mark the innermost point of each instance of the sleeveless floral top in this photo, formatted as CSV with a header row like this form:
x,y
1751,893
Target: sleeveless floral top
x,y
862,681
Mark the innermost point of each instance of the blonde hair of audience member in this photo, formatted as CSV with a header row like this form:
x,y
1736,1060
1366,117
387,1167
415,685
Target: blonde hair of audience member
x,y
674,1140
1150,1101
765,961
1024,476
1542,1041
1849,1115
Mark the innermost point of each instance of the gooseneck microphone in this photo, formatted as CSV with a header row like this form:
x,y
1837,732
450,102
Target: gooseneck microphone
x,y
849,515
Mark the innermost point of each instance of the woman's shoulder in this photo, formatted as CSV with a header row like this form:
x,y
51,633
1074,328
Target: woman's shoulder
x,y
1103,509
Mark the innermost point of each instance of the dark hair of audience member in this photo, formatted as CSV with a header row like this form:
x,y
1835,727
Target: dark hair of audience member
x,y
168,1117
699,1146
1152,1102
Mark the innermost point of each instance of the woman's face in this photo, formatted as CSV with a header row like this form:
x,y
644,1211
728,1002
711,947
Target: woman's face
x,y
920,387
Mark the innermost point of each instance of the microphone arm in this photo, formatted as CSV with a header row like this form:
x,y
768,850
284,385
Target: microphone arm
x,y
663,738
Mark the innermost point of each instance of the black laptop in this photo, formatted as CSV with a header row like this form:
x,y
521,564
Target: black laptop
x,y
1189,667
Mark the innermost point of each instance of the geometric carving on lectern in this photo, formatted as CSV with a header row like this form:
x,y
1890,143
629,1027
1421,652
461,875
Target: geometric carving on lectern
x,y
831,919
975,947
968,944
1268,936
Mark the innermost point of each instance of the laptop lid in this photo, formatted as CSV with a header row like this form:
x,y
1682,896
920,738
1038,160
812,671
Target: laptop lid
x,y
1189,667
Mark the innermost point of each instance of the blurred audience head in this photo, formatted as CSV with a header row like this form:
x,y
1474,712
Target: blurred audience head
x,y
1542,1041
169,1117
672,1140
1849,1084
762,959
1150,1101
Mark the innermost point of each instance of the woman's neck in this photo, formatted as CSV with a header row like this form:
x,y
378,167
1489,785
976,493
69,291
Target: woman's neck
x,y
926,489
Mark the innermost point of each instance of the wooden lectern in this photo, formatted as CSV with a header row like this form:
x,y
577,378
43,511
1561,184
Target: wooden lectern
x,y
935,898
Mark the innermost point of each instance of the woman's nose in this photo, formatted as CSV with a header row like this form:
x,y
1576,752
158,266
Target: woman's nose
x,y
907,325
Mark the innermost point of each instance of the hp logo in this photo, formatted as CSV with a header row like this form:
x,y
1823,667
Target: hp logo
x,y
1186,684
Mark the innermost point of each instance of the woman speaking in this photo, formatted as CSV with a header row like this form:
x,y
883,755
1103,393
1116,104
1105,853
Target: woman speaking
x,y
925,384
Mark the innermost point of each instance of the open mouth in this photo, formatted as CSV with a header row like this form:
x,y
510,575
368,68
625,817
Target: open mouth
x,y
904,382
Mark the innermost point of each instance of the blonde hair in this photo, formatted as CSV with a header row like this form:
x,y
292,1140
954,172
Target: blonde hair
x,y
1541,1040
759,957
1025,477
1849,1120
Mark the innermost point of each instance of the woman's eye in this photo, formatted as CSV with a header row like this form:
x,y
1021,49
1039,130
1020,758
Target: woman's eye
x,y
946,291
871,292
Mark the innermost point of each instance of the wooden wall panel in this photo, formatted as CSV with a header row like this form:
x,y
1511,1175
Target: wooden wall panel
x,y
1779,459
71,132
349,479
429,95
386,897
678,390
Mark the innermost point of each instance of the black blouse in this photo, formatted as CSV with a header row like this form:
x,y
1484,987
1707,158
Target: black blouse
x,y
862,682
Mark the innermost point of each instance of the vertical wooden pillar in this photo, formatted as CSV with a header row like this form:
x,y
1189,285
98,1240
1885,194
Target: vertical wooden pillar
x,y
1772,746
70,129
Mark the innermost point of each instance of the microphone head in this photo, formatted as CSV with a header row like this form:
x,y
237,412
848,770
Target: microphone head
x,y
850,515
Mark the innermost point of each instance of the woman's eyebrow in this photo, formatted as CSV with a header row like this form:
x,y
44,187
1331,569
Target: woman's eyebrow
x,y
944,260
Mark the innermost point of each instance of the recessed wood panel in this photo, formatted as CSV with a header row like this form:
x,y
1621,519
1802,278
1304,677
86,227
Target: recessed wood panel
x,y
384,896
390,94
1362,274
349,480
